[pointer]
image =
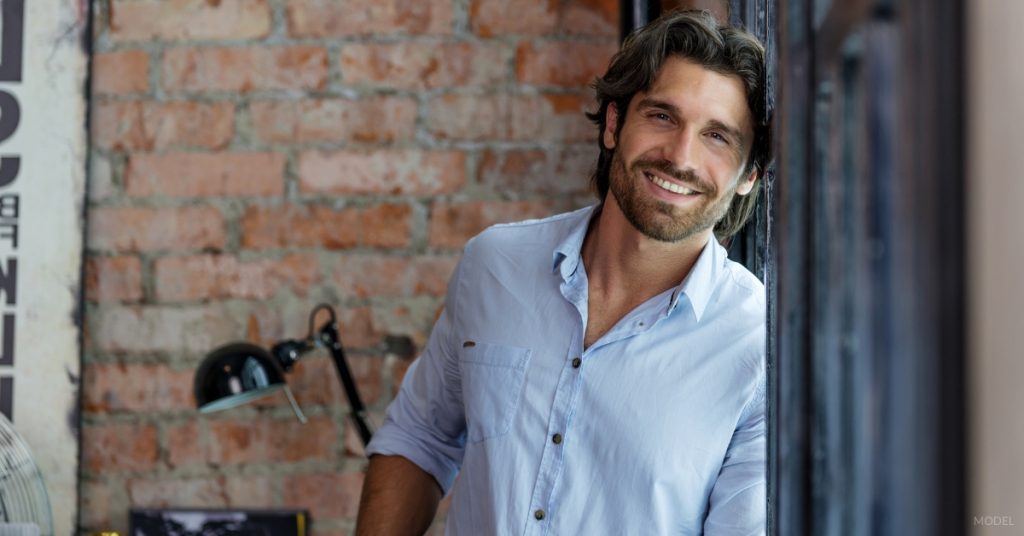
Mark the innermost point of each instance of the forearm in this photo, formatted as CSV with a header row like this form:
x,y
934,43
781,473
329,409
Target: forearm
x,y
398,498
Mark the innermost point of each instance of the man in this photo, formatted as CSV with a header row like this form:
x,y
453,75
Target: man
x,y
602,371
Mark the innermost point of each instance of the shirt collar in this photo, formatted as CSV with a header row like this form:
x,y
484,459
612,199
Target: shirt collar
x,y
697,286
567,254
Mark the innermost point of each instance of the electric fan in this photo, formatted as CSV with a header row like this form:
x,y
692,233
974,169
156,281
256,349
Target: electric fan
x,y
24,506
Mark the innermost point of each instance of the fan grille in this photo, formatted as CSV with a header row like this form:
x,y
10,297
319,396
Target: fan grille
x,y
23,496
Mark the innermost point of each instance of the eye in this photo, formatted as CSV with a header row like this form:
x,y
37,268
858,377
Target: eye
x,y
717,136
661,116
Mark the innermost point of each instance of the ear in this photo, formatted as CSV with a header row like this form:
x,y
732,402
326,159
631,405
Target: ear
x,y
611,121
747,183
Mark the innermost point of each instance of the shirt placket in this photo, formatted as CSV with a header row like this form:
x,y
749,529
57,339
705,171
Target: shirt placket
x,y
557,433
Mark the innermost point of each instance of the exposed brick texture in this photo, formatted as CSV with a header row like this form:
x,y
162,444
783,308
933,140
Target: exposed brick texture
x,y
223,276
119,448
252,158
142,125
547,118
413,65
205,174
155,229
451,225
136,388
120,72
327,495
374,119
347,18
112,279
144,20
321,226
242,70
561,63
382,171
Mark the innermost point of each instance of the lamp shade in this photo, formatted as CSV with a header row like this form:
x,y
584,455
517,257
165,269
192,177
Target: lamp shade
x,y
234,374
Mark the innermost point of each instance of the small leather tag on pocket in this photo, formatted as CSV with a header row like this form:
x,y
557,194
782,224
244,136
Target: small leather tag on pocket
x,y
468,344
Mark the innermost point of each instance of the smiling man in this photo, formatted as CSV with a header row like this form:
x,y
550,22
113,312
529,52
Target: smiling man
x,y
602,371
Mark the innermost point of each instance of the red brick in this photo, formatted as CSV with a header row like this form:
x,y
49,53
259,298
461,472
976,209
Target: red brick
x,y
271,440
358,328
551,118
224,276
413,318
562,63
327,495
364,276
492,17
333,18
412,65
451,225
205,174
370,119
155,329
244,69
95,506
148,20
215,492
136,388
112,279
386,225
120,72
560,171
387,171
147,125
590,17
119,448
154,229
182,444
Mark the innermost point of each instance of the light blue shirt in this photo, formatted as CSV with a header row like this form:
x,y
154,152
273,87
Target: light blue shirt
x,y
656,428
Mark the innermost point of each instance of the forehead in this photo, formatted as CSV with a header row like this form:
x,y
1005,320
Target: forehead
x,y
700,92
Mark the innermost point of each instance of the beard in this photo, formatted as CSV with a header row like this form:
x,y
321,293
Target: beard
x,y
658,219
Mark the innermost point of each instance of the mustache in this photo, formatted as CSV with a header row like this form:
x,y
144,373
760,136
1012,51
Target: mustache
x,y
685,176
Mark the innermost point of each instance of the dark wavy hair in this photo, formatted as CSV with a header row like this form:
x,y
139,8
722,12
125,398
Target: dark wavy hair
x,y
696,36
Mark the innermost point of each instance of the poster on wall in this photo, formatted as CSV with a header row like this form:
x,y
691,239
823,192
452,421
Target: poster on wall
x,y
43,64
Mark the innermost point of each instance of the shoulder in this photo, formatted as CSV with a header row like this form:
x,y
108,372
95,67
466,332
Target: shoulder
x,y
742,290
527,236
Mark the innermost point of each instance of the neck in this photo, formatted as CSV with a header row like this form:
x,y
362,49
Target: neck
x,y
621,261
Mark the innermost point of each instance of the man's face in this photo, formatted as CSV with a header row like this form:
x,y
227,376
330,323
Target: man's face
x,y
679,158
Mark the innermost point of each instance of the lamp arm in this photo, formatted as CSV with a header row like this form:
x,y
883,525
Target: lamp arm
x,y
329,337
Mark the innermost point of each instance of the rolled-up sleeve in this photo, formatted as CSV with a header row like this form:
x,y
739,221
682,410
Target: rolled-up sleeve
x,y
738,503
426,422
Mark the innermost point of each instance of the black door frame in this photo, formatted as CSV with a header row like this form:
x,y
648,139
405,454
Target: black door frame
x,y
867,271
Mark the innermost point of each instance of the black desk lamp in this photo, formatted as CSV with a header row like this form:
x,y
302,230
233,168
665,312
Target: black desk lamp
x,y
240,372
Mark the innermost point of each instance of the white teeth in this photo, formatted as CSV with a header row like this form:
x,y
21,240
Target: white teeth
x,y
672,187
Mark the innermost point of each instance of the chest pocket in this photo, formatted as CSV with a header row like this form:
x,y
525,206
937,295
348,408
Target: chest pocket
x,y
492,386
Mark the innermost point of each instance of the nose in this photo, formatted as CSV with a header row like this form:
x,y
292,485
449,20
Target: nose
x,y
682,148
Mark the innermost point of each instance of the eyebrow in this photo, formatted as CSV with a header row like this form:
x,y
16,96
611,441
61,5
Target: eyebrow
x,y
672,109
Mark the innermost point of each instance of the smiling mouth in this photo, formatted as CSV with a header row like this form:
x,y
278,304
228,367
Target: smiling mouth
x,y
669,186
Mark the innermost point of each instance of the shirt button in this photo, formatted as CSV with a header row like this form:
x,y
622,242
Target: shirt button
x,y
539,514
557,439
576,362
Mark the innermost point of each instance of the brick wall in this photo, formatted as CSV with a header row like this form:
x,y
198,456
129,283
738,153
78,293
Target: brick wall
x,y
251,158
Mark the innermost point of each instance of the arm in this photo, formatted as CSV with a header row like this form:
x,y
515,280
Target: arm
x,y
398,498
738,503
416,453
